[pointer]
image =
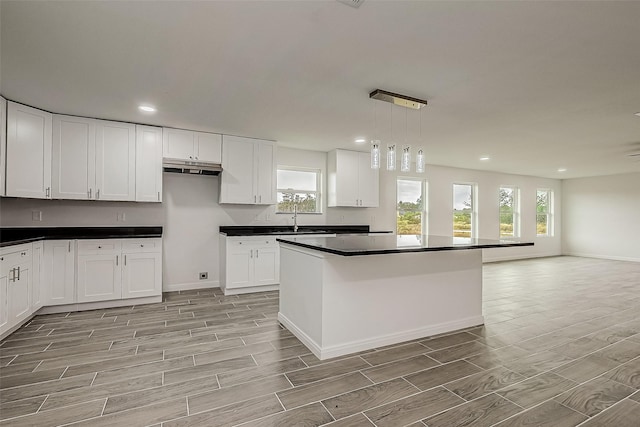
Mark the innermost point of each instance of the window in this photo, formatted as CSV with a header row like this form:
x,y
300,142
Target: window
x,y
509,212
410,206
463,210
299,187
544,207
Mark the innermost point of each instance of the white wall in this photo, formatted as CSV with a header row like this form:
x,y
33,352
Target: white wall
x,y
601,217
77,213
440,182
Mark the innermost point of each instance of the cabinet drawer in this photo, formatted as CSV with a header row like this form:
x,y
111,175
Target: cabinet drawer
x,y
13,256
92,247
251,241
142,245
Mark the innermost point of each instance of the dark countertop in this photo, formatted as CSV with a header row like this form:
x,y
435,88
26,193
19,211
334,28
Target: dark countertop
x,y
16,235
393,244
279,230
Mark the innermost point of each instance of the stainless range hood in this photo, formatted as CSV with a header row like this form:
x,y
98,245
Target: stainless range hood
x,y
194,167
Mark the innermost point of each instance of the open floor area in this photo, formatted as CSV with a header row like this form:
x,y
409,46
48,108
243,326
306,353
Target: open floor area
x,y
560,347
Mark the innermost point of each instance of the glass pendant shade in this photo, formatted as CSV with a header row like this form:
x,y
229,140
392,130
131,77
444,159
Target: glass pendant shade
x,y
391,157
405,162
420,161
375,154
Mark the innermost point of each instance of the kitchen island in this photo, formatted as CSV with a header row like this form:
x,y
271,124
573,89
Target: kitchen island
x,y
340,295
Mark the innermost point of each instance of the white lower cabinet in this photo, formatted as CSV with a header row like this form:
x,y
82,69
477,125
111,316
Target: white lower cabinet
x,y
142,268
15,286
36,276
248,262
110,269
59,269
99,277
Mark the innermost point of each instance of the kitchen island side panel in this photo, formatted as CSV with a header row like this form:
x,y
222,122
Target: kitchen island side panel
x,y
371,301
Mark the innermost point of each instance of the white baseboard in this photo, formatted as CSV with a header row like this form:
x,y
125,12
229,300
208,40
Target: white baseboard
x,y
200,284
613,258
51,309
251,289
380,341
304,338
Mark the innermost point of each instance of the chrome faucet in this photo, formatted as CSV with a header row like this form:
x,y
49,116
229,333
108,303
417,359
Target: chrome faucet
x,y
295,218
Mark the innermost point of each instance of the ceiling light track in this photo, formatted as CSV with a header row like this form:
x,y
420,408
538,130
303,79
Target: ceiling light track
x,y
397,99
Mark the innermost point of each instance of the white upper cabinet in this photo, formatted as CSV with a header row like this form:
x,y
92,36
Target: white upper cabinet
x,y
190,145
3,143
73,170
351,181
115,161
28,156
208,147
249,171
93,159
148,164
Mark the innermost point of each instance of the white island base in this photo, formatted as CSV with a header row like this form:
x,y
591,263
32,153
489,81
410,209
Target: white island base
x,y
338,305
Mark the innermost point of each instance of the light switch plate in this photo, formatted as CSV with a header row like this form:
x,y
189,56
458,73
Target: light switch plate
x,y
36,215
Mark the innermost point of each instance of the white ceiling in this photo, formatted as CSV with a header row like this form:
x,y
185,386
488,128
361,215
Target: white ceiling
x,y
534,85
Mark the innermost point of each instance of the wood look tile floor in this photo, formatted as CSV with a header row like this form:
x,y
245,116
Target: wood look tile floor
x,y
560,347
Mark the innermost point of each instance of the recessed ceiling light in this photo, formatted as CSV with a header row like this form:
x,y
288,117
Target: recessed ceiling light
x,y
562,169
637,114
485,158
147,108
360,140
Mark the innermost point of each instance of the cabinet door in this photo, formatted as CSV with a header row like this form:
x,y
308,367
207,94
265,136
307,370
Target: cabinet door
x,y
239,265
99,277
36,276
368,182
59,272
28,160
73,168
209,147
266,173
347,178
148,164
4,302
238,174
19,294
266,264
115,161
141,275
3,143
177,144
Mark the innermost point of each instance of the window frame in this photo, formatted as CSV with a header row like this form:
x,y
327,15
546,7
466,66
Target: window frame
x,y
424,187
548,212
474,208
515,212
317,192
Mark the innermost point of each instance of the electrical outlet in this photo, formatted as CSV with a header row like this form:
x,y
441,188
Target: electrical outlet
x,y
120,216
36,215
204,275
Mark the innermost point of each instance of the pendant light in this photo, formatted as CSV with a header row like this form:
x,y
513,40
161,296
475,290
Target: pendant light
x,y
391,149
405,161
375,143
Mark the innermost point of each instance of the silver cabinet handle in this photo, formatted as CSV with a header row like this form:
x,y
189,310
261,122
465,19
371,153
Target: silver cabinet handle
x,y
69,245
90,191
13,275
254,199
260,198
257,252
18,273
116,259
191,157
48,191
158,196
97,194
99,247
251,252
125,260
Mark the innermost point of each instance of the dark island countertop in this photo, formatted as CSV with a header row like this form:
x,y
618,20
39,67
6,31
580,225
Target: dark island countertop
x,y
393,244
281,230
16,235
